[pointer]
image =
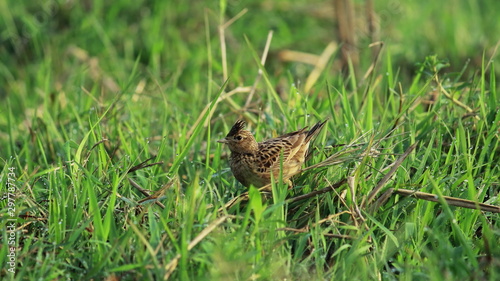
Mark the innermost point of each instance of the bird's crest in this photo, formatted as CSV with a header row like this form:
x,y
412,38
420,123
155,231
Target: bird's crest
x,y
237,127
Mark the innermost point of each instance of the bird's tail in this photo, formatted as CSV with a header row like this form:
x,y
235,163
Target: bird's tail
x,y
315,130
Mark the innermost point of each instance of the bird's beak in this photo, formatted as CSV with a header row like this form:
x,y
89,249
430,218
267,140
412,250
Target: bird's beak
x,y
224,140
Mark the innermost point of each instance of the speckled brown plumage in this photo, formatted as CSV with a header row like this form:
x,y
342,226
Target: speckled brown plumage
x,y
252,163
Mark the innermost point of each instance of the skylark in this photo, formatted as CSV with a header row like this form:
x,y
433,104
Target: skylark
x,y
252,163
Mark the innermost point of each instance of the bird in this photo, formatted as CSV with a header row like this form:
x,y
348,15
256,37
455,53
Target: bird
x,y
252,162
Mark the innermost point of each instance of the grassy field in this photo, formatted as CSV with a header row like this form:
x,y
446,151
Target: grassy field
x,y
110,169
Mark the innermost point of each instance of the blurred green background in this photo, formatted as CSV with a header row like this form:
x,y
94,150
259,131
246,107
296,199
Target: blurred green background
x,y
169,38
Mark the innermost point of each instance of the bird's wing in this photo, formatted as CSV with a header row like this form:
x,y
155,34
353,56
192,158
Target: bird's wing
x,y
271,151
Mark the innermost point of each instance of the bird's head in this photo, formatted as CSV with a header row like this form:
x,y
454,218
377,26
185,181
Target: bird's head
x,y
239,140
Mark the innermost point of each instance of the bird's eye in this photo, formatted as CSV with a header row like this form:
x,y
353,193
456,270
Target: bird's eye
x,y
238,138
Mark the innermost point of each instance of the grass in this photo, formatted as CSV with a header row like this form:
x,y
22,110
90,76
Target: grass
x,y
91,90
